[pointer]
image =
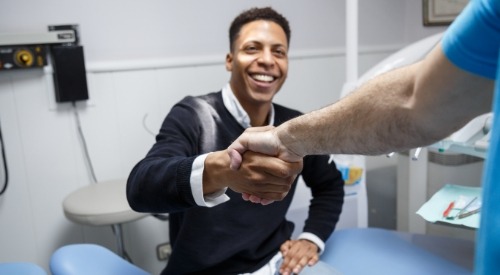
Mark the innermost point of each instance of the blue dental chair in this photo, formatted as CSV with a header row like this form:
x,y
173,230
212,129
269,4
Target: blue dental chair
x,y
350,251
379,251
21,268
85,259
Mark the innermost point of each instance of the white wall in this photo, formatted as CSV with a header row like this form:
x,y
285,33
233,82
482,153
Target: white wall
x,y
189,39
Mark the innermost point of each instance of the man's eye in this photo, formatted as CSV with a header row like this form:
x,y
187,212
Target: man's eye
x,y
251,49
280,52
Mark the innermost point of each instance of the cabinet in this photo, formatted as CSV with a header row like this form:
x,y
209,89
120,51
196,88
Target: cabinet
x,y
457,159
419,179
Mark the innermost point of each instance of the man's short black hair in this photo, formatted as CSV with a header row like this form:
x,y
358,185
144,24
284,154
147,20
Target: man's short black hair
x,y
255,14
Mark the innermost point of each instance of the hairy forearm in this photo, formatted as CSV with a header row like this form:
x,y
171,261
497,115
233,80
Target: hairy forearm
x,y
372,120
356,124
409,107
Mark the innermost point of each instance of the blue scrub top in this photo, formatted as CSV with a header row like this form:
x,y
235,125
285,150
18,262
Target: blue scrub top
x,y
473,43
488,239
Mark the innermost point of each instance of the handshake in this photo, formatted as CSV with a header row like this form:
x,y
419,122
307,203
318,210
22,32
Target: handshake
x,y
263,147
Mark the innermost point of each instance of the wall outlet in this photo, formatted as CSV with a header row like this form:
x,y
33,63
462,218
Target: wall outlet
x,y
163,251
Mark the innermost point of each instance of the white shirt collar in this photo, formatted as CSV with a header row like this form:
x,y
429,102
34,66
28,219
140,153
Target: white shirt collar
x,y
234,107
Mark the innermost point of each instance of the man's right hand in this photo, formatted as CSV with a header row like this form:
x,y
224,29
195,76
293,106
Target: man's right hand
x,y
262,140
266,177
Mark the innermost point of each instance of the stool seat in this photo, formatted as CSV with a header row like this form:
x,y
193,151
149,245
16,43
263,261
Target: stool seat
x,y
103,203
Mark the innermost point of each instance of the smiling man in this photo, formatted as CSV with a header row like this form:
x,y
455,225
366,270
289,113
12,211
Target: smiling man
x,y
213,230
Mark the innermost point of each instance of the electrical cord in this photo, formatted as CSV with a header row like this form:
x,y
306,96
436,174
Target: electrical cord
x,y
6,170
145,126
84,143
89,162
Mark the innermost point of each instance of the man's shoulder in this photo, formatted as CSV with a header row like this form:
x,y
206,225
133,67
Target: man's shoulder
x,y
211,99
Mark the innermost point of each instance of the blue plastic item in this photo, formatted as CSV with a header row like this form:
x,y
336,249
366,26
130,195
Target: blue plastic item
x,y
21,268
378,251
85,259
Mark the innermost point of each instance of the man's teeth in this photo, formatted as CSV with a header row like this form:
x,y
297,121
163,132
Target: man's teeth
x,y
262,77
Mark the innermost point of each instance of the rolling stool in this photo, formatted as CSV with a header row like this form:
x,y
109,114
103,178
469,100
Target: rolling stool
x,y
102,203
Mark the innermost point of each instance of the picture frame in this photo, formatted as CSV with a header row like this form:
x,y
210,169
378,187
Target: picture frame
x,y
441,12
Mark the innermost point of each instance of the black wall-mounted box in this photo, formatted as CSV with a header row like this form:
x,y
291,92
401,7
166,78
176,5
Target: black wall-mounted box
x,y
70,79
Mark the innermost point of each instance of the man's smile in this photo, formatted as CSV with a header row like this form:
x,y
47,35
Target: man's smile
x,y
263,77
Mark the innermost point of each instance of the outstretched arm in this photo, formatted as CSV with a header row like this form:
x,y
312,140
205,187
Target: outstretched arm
x,y
409,107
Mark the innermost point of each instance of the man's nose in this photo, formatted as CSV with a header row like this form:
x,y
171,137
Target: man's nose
x,y
266,58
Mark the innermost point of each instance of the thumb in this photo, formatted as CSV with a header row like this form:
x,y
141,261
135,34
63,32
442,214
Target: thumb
x,y
235,158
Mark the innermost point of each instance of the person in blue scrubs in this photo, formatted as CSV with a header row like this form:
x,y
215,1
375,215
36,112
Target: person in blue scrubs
x,y
409,107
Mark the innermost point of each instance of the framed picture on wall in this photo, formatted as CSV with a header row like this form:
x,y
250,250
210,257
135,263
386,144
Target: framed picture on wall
x,y
441,12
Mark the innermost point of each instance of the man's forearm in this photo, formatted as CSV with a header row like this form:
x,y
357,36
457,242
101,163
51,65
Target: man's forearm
x,y
402,109
379,108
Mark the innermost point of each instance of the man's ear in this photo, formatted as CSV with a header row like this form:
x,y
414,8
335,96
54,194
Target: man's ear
x,y
229,62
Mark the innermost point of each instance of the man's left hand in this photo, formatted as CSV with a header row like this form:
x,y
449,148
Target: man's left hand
x,y
296,255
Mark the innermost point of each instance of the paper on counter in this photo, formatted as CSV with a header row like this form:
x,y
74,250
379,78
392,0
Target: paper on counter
x,y
432,210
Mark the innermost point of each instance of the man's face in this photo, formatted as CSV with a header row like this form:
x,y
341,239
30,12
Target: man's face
x,y
258,62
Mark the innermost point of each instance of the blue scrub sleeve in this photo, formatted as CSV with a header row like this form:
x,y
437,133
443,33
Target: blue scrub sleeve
x,y
472,41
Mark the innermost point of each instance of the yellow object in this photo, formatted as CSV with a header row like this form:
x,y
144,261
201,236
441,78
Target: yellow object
x,y
353,175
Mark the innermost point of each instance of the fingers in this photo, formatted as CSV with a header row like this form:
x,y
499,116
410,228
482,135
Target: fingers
x,y
266,201
285,247
265,179
297,254
260,129
295,266
254,139
262,140
281,169
255,199
243,142
245,196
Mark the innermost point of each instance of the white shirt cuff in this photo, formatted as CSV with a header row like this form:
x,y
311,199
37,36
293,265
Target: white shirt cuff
x,y
315,239
196,182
